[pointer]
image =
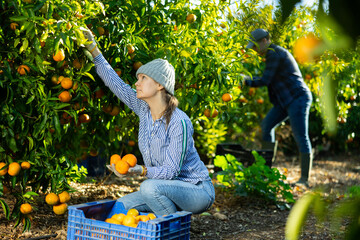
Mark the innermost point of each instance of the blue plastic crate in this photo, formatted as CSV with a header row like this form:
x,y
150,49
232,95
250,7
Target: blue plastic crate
x,y
86,222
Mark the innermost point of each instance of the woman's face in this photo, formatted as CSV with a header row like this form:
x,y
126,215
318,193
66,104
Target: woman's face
x,y
146,87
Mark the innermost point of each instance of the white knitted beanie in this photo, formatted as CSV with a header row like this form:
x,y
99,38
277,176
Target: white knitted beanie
x,y
161,71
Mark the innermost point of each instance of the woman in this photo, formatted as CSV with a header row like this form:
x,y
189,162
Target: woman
x,y
177,178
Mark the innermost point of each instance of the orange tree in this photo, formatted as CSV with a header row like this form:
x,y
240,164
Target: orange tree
x,y
46,90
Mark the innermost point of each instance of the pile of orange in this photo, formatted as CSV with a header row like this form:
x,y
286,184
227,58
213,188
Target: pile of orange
x,y
122,165
131,219
58,202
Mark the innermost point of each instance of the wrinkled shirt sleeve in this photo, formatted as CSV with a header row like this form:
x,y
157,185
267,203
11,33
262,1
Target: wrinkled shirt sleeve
x,y
122,90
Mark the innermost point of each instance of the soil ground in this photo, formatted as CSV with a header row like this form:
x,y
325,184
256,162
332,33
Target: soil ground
x,y
229,218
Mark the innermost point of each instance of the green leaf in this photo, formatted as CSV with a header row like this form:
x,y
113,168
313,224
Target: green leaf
x,y
24,45
31,142
100,5
5,208
220,161
297,216
12,144
16,42
18,18
30,194
141,30
30,99
61,106
39,63
89,75
57,124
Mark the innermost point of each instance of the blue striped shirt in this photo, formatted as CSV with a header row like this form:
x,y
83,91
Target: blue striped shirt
x,y
168,151
282,77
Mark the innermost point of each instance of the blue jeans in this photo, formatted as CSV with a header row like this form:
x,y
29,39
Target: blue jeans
x,y
164,197
298,114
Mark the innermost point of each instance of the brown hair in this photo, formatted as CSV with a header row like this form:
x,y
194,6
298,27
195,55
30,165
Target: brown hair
x,y
172,104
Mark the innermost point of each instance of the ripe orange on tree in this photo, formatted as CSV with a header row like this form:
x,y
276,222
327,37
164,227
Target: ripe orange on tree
x,y
260,101
25,165
13,25
99,93
252,91
75,86
77,64
14,169
130,159
226,97
191,18
101,30
23,69
25,208
60,209
66,83
5,189
130,48
64,197
107,108
52,199
131,143
137,65
118,72
54,80
243,99
212,114
4,171
115,110
306,48
93,152
68,26
114,159
122,167
60,79
59,56
65,96
84,118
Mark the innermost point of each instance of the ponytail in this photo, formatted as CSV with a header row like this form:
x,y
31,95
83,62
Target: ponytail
x,y
172,104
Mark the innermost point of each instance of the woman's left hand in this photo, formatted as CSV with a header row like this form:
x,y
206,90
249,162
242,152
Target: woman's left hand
x,y
90,37
136,170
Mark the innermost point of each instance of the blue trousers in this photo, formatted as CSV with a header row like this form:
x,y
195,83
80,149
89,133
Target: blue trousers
x,y
164,197
298,114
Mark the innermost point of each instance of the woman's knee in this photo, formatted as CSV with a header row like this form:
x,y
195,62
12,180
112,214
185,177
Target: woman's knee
x,y
149,187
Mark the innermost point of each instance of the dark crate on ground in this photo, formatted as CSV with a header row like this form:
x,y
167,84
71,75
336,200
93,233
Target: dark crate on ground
x,y
243,155
87,221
